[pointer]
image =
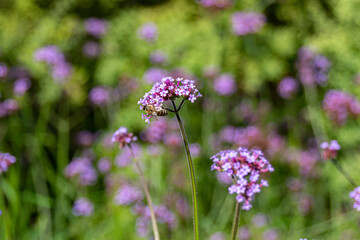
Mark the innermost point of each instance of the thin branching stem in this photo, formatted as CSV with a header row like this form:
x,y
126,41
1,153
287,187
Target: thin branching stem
x,y
181,105
191,169
235,221
343,172
170,110
148,198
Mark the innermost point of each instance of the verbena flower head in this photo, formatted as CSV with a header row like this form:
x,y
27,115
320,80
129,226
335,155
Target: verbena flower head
x,y
83,207
152,75
225,84
340,105
49,54
91,49
3,70
158,57
148,32
330,149
127,195
245,166
99,95
6,159
168,89
287,87
82,169
244,23
356,196
21,86
95,26
123,137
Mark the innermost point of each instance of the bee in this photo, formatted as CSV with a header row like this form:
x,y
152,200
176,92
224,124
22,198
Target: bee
x,y
155,111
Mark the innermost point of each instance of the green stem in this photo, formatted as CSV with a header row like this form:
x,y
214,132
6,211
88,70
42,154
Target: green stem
x,y
343,172
192,172
148,198
235,221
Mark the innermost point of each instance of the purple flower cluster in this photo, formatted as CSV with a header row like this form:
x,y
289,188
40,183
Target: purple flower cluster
x,y
83,207
6,160
244,23
127,195
8,107
168,89
216,4
21,86
99,95
158,57
91,49
330,149
162,214
3,70
156,131
124,158
104,165
95,27
339,105
225,84
306,161
218,236
83,170
56,59
122,137
245,167
312,68
152,75
287,88
148,32
356,196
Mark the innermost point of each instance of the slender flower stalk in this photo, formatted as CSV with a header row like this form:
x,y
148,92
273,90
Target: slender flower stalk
x,y
191,169
235,221
168,89
343,172
148,198
123,138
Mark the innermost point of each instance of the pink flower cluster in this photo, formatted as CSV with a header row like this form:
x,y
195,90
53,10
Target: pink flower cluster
x,y
356,196
244,23
83,207
340,105
6,160
123,137
168,89
330,149
8,107
82,169
245,167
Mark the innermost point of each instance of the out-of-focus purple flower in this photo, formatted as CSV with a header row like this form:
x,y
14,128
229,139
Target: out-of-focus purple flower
x,y
356,196
306,161
142,228
158,57
287,88
244,233
99,95
172,139
305,204
104,165
49,54
210,71
167,89
259,220
294,184
218,236
182,207
122,137
340,105
216,4
153,75
225,84
21,86
61,71
245,167
91,49
82,169
3,70
83,207
127,195
244,23
156,131
330,149
85,138
95,27
195,149
125,157
312,67
271,234
148,32
6,159
10,106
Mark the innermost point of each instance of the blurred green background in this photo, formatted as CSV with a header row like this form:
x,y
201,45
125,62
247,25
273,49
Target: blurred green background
x,y
47,130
